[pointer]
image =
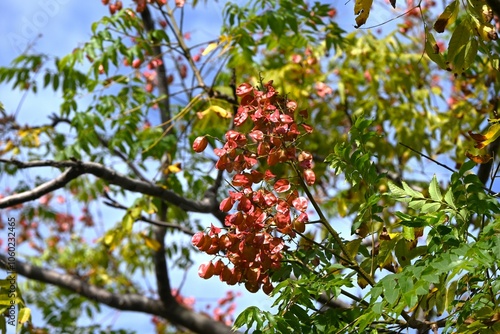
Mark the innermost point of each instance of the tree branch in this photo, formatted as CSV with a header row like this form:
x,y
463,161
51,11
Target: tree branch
x,y
77,168
173,312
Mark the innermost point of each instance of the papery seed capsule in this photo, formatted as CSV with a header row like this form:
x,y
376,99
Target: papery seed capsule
x,y
200,144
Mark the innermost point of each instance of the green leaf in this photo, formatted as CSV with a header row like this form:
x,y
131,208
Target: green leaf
x,y
408,233
55,81
244,318
409,191
458,41
470,53
466,166
391,290
430,207
432,50
417,204
434,190
396,191
448,198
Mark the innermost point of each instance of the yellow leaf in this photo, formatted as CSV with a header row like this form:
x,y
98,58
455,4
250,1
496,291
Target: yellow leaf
x,y
219,111
222,112
487,138
24,315
210,47
393,235
151,243
487,32
342,207
108,239
362,10
152,208
447,17
172,169
225,40
9,146
30,137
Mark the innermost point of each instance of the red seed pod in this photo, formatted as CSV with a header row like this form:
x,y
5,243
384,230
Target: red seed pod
x,y
267,288
226,204
218,267
200,144
207,243
234,278
244,89
136,63
252,274
309,176
206,270
263,148
198,239
224,242
225,274
253,287
214,247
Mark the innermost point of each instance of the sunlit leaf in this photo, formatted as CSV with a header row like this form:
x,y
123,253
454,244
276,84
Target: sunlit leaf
x,y
213,109
172,169
210,47
362,10
483,140
434,190
150,243
480,158
24,315
432,50
459,39
448,16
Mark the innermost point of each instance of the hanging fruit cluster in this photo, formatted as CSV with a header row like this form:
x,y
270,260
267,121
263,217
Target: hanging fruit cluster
x,y
268,209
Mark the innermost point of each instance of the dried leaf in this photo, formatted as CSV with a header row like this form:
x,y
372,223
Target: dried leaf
x,y
479,159
483,140
362,10
447,17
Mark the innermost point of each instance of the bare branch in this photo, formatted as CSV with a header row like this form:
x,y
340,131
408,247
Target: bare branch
x,y
173,311
77,168
47,187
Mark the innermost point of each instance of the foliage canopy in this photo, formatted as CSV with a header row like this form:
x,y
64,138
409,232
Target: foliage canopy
x,y
315,151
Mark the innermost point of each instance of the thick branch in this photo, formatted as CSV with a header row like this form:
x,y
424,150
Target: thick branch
x,y
77,168
161,269
161,71
174,312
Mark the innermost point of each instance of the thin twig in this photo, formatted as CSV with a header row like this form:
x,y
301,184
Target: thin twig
x,y
429,158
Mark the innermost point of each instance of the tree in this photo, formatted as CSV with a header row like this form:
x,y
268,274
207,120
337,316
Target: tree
x,y
322,197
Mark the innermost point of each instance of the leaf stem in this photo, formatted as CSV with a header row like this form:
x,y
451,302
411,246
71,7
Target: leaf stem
x,y
349,259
